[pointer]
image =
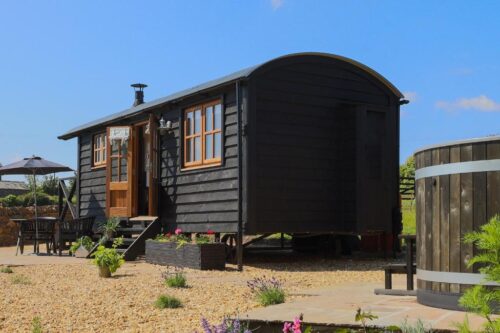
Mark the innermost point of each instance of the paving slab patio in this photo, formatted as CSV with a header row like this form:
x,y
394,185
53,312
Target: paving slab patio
x,y
337,305
8,257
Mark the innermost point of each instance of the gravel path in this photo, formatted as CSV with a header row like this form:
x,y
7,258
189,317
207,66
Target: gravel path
x,y
72,298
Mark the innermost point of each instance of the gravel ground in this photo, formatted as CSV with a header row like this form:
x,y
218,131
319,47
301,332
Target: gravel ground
x,y
72,298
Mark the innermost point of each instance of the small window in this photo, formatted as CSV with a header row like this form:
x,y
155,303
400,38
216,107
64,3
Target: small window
x,y
99,149
203,135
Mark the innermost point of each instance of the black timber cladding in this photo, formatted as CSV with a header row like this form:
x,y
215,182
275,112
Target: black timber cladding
x,y
207,198
92,182
308,159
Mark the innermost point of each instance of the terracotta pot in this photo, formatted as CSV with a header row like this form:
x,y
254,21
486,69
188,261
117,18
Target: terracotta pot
x,y
104,272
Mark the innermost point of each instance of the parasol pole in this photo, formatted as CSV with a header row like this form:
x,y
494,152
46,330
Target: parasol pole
x,y
36,213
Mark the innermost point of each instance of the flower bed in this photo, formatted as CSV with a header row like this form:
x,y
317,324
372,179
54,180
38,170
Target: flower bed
x,y
198,256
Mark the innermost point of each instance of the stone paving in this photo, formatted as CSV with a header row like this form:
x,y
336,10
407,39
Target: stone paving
x,y
337,306
8,257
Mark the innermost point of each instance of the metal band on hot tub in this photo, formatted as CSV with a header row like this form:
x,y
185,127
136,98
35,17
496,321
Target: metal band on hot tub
x,y
454,168
453,277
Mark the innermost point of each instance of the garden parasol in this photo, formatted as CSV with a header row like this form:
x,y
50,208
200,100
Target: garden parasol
x,y
35,166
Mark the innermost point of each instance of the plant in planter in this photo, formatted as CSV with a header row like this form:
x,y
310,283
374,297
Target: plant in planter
x,y
109,228
108,260
179,250
85,244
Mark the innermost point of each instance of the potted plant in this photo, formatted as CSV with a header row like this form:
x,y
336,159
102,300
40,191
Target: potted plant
x,y
81,248
109,228
181,251
108,260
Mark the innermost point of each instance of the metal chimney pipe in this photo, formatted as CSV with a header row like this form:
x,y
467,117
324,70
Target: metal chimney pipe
x,y
139,93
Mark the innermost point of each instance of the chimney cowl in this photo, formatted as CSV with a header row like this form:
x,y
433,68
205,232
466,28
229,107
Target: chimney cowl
x,y
139,93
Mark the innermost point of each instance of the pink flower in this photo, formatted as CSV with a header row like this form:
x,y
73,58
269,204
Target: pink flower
x,y
178,231
296,325
287,327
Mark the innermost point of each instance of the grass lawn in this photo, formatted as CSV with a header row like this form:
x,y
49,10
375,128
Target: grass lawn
x,y
409,217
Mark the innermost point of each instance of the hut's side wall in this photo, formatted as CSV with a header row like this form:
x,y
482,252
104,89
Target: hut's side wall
x,y
307,163
203,199
448,207
92,192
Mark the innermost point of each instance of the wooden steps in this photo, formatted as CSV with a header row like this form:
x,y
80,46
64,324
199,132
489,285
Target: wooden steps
x,y
135,231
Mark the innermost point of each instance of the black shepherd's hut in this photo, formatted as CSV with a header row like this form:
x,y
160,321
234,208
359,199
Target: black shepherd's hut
x,y
305,143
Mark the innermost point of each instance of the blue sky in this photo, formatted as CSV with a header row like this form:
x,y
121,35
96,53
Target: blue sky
x,y
63,63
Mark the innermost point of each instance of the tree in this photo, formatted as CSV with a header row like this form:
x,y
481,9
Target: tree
x,y
407,169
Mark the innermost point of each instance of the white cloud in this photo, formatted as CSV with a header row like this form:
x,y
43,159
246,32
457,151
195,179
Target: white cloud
x,y
276,4
410,96
480,103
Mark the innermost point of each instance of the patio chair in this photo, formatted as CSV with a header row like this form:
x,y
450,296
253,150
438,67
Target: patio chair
x,y
70,231
27,231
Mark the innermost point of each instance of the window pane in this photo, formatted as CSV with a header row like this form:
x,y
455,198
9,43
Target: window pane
x,y
124,148
197,121
123,169
197,148
114,170
218,116
218,145
208,146
189,123
114,147
209,118
189,150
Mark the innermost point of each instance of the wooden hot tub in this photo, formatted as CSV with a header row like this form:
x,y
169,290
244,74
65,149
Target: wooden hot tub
x,y
457,191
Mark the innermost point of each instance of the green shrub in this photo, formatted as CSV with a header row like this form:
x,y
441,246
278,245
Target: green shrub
x,y
42,199
480,299
11,200
7,270
267,291
20,279
176,280
36,325
86,241
166,301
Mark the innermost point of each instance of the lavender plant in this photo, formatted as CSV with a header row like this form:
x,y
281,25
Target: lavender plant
x,y
267,291
174,277
227,326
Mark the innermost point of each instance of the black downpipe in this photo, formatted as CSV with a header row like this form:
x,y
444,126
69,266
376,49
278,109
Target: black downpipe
x,y
239,236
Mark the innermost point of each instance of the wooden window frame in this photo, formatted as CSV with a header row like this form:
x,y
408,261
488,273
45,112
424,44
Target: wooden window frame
x,y
102,151
203,162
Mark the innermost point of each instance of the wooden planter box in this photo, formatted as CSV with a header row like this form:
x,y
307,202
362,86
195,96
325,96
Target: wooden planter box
x,y
197,256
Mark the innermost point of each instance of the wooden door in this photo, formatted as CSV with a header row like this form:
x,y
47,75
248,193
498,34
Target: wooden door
x,y
120,175
153,166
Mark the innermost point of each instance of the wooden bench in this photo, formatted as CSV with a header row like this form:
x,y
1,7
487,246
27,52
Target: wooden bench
x,y
396,269
409,268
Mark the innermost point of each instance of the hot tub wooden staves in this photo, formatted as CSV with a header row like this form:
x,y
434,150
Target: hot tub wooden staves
x,y
458,190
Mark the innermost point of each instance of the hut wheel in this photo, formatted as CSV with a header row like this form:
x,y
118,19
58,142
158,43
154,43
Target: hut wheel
x,y
230,241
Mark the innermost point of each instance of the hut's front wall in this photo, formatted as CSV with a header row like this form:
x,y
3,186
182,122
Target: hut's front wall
x,y
448,207
202,199
92,181
311,166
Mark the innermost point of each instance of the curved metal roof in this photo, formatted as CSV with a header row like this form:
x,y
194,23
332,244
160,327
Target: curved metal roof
x,y
239,75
